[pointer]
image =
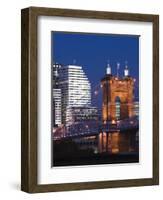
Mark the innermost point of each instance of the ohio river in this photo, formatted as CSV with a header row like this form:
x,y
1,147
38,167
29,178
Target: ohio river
x,y
100,148
111,142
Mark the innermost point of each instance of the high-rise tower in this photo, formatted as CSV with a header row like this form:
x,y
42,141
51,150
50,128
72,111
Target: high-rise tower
x,y
56,96
75,87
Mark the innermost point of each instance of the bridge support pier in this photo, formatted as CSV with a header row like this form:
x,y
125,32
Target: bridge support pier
x,y
106,141
103,142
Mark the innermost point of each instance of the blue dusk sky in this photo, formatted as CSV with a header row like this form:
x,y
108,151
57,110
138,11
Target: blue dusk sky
x,y
92,52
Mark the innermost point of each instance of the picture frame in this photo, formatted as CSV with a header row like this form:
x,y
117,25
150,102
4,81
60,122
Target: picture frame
x,y
29,99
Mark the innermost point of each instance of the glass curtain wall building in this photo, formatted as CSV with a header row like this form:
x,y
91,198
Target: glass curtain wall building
x,y
76,90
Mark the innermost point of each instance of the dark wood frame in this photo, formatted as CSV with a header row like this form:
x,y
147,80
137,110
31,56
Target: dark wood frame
x,y
29,99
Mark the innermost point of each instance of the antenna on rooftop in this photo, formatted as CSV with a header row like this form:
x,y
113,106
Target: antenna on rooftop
x,y
74,61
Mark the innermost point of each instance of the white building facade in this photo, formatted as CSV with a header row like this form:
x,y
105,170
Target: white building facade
x,y
56,94
57,106
76,89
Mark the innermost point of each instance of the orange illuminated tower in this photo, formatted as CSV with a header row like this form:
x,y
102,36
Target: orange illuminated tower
x,y
114,87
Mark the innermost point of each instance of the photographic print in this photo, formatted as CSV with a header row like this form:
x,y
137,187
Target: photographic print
x,y
95,99
89,99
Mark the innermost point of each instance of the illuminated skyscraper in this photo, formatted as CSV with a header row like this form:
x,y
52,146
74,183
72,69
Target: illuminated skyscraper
x,y
136,108
57,106
56,96
75,88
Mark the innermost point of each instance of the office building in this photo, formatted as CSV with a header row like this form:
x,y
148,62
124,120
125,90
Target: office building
x,y
75,88
56,93
82,114
136,108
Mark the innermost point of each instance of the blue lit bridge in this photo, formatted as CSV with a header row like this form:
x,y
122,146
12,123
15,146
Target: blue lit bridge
x,y
94,128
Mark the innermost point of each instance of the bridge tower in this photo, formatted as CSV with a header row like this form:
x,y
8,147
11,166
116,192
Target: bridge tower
x,y
114,87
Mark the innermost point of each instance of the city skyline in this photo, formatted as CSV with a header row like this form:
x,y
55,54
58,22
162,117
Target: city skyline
x,y
95,112
71,91
94,51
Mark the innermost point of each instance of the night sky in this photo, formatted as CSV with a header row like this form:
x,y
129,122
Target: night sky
x,y
92,52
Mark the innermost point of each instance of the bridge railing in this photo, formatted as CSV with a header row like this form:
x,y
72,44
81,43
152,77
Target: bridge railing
x,y
87,128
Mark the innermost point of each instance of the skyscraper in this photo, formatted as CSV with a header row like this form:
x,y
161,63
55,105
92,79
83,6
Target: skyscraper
x,y
136,108
56,96
75,88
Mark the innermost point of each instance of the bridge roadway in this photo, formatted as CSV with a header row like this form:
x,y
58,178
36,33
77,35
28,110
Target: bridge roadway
x,y
111,128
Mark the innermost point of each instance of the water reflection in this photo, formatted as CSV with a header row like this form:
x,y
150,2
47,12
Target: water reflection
x,y
113,143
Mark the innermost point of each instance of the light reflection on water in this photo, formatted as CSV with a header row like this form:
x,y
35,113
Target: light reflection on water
x,y
114,143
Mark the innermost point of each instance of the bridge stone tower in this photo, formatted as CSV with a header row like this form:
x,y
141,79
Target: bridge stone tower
x,y
113,87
